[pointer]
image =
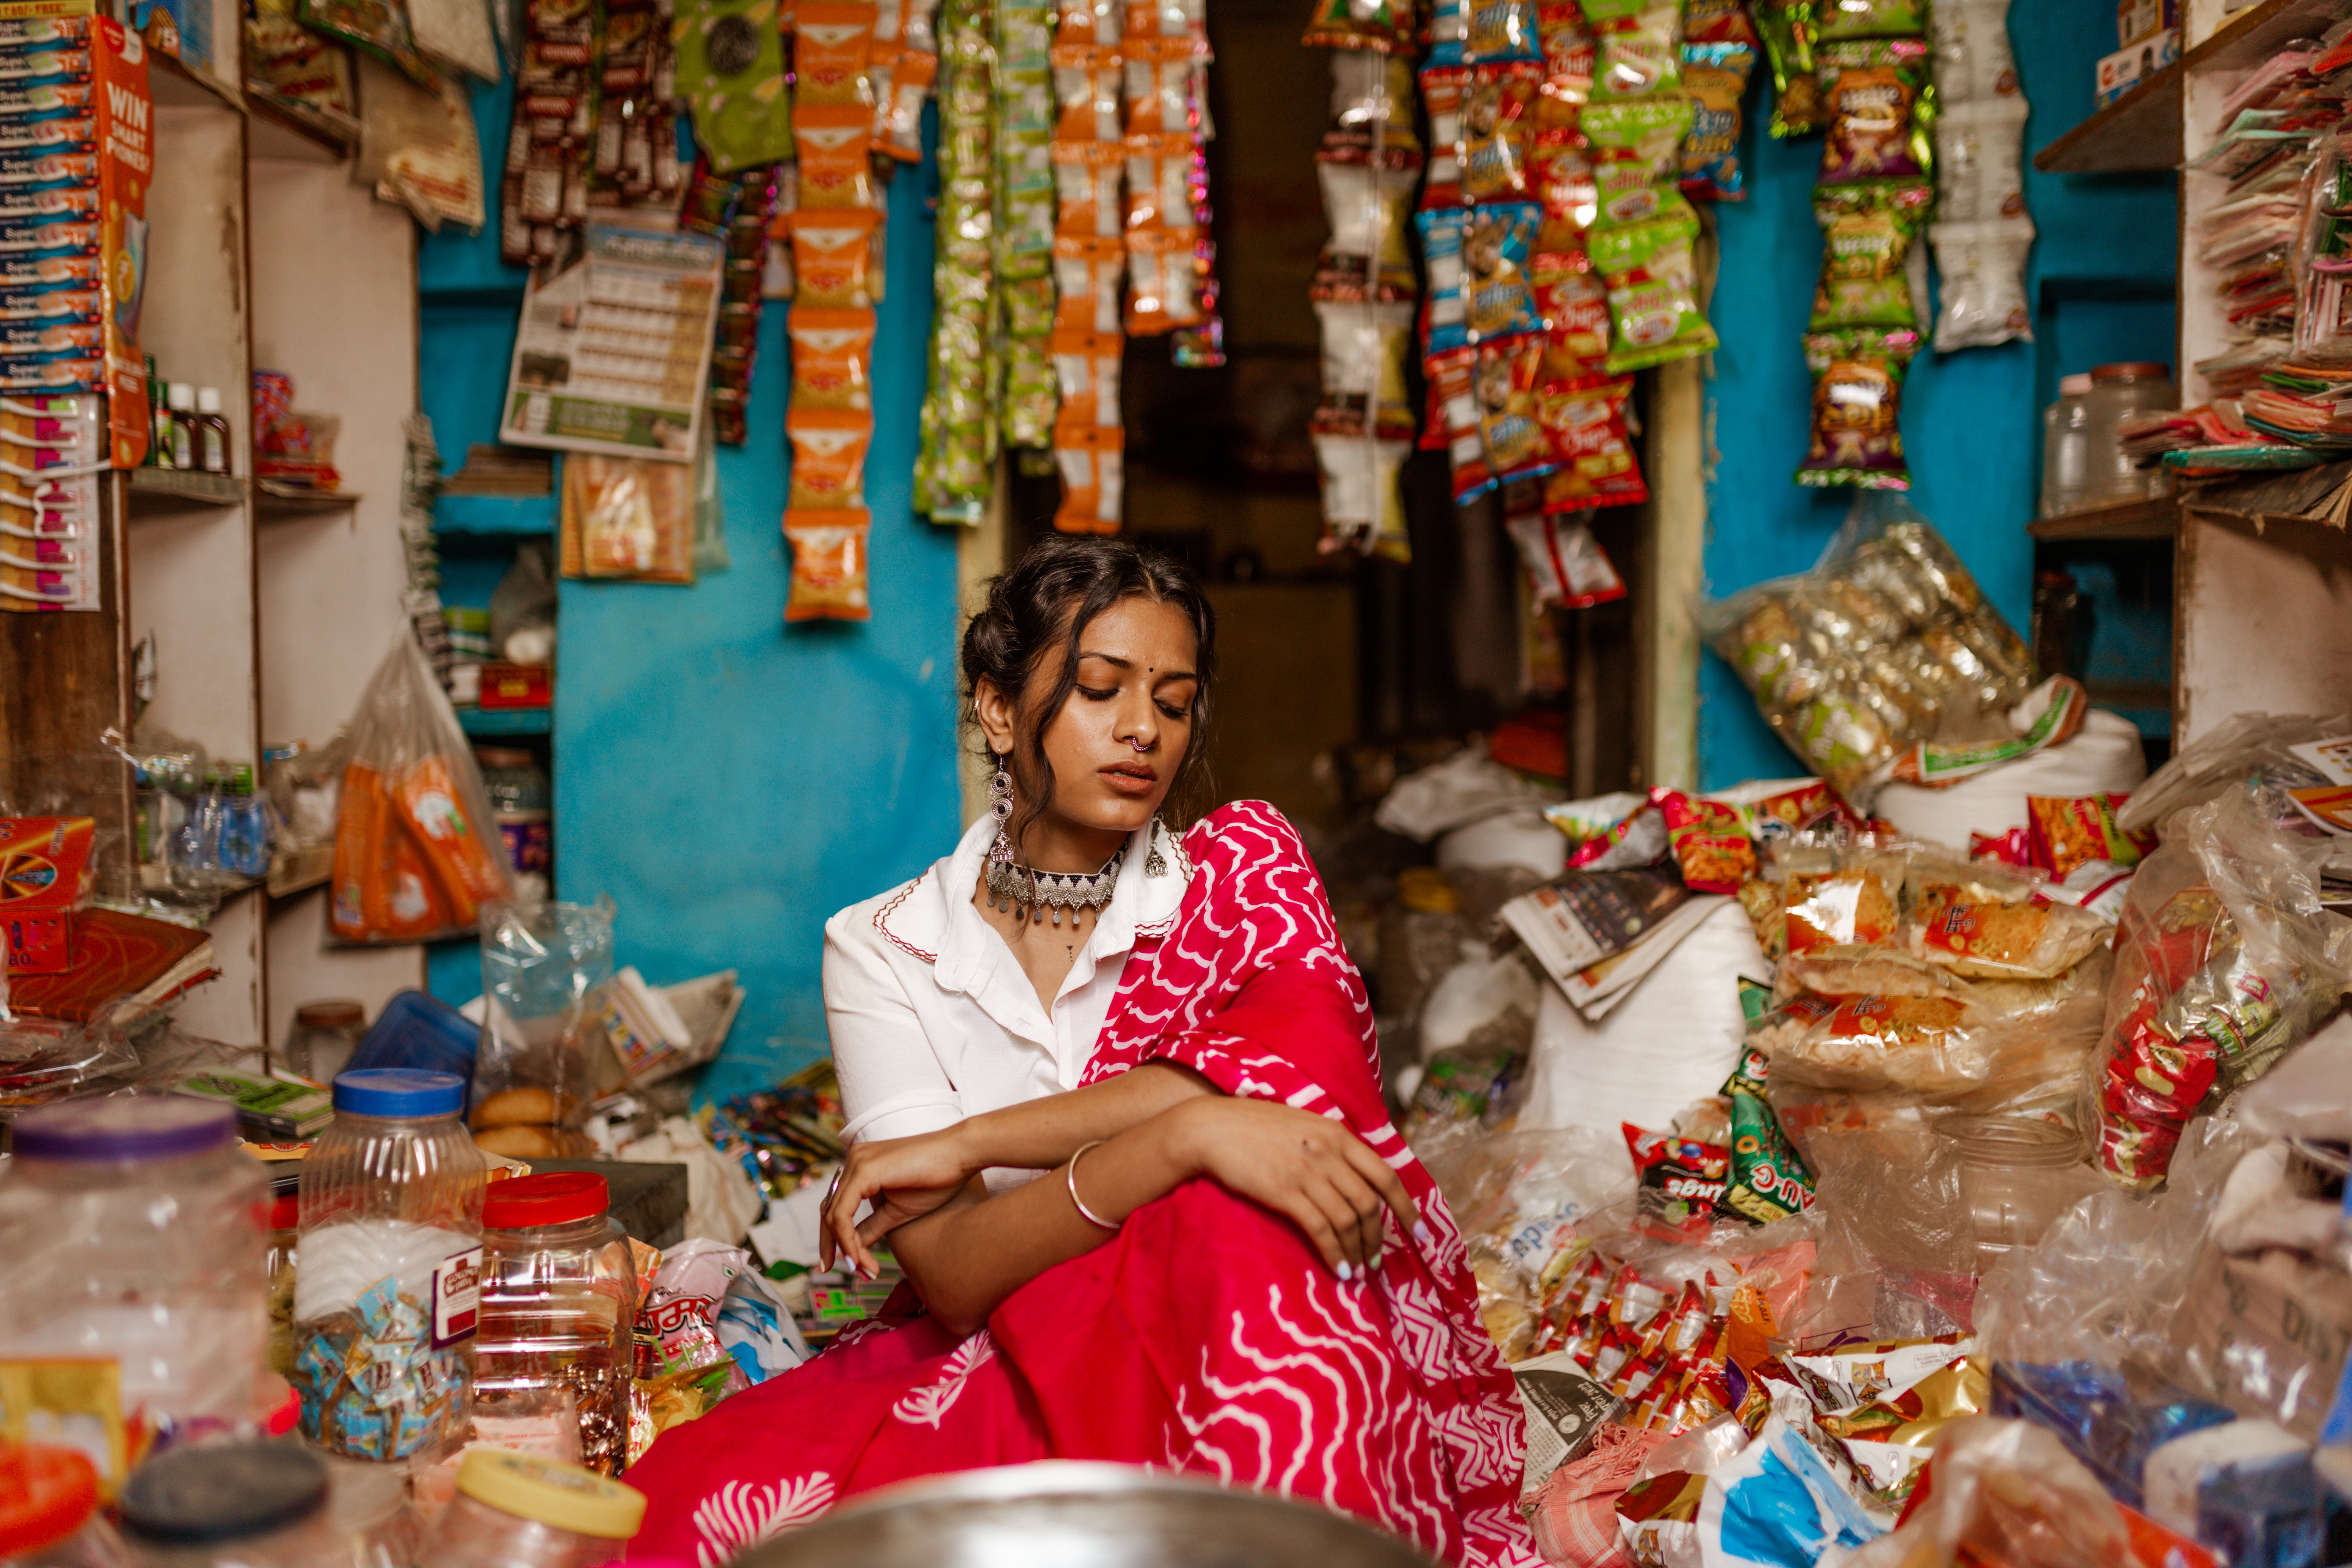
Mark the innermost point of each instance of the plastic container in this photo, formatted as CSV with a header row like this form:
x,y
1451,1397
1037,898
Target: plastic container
x,y
553,1355
277,1269
48,1511
521,803
132,1230
519,1510
325,1037
251,1505
2066,446
2018,1175
416,1031
388,1274
2118,391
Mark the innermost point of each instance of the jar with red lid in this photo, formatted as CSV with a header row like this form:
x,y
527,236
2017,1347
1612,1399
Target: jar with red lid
x,y
559,1298
48,1511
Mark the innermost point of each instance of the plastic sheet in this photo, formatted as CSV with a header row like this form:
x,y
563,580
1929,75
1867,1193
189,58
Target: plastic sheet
x,y
2241,745
543,970
2008,1492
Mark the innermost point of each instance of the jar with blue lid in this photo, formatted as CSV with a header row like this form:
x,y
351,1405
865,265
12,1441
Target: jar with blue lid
x,y
387,1280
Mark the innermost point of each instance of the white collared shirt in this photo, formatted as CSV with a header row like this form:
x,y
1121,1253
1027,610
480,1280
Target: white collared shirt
x,y
932,1018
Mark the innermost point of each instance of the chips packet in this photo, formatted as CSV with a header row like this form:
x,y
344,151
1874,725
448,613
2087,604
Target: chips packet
x,y
1711,845
1569,57
1516,445
1445,318
1574,306
1857,438
1867,233
1562,178
1715,76
1634,46
1686,1175
828,564
1653,283
1880,110
1787,29
1584,417
2063,834
832,350
1565,565
1496,242
1634,143
1494,131
1768,1178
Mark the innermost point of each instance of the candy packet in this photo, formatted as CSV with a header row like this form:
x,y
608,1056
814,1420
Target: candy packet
x,y
1653,284
1634,146
1881,110
1715,76
1787,29
1857,437
1565,565
1585,419
1867,233
1983,266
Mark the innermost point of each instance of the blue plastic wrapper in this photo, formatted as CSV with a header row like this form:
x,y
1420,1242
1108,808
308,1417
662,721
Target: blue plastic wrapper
x,y
2093,1411
1778,1504
756,1328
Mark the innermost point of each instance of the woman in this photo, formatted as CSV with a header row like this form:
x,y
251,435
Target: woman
x,y
1113,1098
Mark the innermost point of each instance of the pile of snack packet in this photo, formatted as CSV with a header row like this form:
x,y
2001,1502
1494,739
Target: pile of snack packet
x,y
2015,1232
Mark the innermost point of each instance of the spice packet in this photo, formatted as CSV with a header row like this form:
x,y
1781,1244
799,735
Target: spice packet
x,y
1866,236
1880,110
829,566
1653,284
1857,438
1715,76
1787,29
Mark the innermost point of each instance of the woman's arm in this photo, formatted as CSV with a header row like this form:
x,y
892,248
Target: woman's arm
x,y
968,1255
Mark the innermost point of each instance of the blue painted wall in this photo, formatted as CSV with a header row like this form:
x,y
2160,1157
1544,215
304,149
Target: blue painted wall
x,y
2101,275
729,782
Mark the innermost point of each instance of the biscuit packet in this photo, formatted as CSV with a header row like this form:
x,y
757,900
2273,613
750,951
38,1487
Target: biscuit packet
x,y
1989,922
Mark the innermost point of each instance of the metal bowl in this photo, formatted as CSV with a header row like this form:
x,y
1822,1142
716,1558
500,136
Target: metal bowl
x,y
1061,1514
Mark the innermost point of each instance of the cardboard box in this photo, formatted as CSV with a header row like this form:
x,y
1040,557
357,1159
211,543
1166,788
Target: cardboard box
x,y
2137,21
44,878
507,686
2126,69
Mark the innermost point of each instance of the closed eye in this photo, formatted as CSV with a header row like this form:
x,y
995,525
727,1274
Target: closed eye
x,y
1091,695
1175,712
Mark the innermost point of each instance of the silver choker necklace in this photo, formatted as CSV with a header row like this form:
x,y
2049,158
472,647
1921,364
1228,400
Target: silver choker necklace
x,y
1032,892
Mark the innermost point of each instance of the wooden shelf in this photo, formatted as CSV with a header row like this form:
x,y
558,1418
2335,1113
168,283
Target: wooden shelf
x,y
175,489
302,869
2140,131
177,84
489,724
272,504
2158,518
281,129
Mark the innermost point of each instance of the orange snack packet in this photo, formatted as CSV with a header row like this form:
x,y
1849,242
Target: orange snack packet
x,y
628,517
1158,182
828,564
1086,183
832,139
1093,460
1086,278
831,42
829,447
1086,77
832,254
471,868
1161,284
356,883
1087,369
831,352
898,106
412,903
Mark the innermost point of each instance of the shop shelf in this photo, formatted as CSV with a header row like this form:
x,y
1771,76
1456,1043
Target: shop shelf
x,y
2140,131
280,128
172,81
494,514
270,503
2158,517
175,490
489,722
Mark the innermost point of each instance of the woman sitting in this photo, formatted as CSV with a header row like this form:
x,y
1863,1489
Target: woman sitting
x,y
1114,1098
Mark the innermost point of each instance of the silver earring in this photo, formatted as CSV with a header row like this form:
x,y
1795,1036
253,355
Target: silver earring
x,y
1154,864
1000,806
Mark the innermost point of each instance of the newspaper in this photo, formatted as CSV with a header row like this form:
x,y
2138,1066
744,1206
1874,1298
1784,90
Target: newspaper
x,y
1598,934
1565,1410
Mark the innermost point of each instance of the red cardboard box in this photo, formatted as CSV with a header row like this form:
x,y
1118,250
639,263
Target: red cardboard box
x,y
507,686
44,878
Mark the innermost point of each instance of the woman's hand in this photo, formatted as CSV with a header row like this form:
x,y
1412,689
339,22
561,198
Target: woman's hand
x,y
1311,1170
906,1178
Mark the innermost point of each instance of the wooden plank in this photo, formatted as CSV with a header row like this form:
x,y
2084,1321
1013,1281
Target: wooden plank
x,y
2156,518
1673,572
2264,620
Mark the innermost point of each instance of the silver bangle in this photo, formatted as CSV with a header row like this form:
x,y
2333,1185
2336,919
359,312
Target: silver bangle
x,y
1070,1180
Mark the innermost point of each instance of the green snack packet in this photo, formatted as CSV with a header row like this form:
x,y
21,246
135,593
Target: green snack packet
x,y
1388,27
730,68
1635,46
1873,18
1634,145
1857,437
1768,1178
1867,232
1653,283
1787,29
1882,111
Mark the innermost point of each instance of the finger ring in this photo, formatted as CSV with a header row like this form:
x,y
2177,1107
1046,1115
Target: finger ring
x,y
833,1189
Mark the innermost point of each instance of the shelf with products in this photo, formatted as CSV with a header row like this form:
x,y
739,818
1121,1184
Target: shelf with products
x,y
494,723
2156,518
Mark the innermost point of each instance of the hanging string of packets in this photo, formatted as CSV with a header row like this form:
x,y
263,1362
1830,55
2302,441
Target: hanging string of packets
x,y
861,71
1074,213
1914,127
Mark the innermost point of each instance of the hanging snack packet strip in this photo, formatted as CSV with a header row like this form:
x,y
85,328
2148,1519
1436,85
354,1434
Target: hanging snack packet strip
x,y
1653,283
1384,26
1715,76
1565,565
909,77
1085,341
955,463
1787,29
1880,110
1634,160
828,564
1867,232
1585,419
1362,507
1024,188
1857,438
1635,53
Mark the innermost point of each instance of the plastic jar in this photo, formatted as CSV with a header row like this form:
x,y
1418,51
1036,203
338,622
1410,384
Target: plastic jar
x,y
520,801
559,1298
2117,392
2066,446
325,1036
132,1227
2018,1176
388,1271
251,1505
48,1511
519,1510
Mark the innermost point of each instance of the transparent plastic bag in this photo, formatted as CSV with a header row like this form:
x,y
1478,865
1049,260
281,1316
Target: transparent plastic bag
x,y
544,969
628,517
417,853
45,1060
1898,1258
2243,745
1524,1191
522,607
2006,1492
2224,959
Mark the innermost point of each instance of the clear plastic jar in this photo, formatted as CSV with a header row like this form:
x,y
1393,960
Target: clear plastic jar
x,y
2018,1175
277,1269
2066,446
2117,392
132,1230
559,1297
388,1271
238,1505
519,1510
325,1036
48,1511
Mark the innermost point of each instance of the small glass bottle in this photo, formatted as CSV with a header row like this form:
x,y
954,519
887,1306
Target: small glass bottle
x,y
325,1036
2065,447
255,1504
388,1276
519,1510
48,1511
211,430
277,1269
183,426
519,801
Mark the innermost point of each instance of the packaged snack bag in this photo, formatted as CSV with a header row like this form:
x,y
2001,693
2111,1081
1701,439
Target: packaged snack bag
x,y
828,564
1635,46
1710,843
1633,155
1585,419
2061,835
1977,922
1857,435
1565,565
1653,307
1491,150
1516,446
1787,28
1570,60
1867,232
1496,299
1715,76
1880,110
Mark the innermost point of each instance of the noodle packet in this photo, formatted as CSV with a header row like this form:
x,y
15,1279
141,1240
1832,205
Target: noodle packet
x,y
1715,76
1839,896
2062,835
1880,110
1633,155
1516,446
1497,241
1983,924
829,447
1653,284
1634,47
1565,565
1571,58
1492,151
1857,437
1384,27
1787,29
1866,236
831,352
1984,299
828,564
1585,420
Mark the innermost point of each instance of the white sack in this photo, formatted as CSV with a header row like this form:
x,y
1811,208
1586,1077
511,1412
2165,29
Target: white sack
x,y
2103,759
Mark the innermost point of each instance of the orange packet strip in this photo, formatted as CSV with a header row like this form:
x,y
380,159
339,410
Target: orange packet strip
x,y
828,564
1157,85
832,255
1087,176
899,110
1087,80
832,140
471,868
833,41
1086,368
831,352
1093,460
829,448
1088,21
1086,275
1161,283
